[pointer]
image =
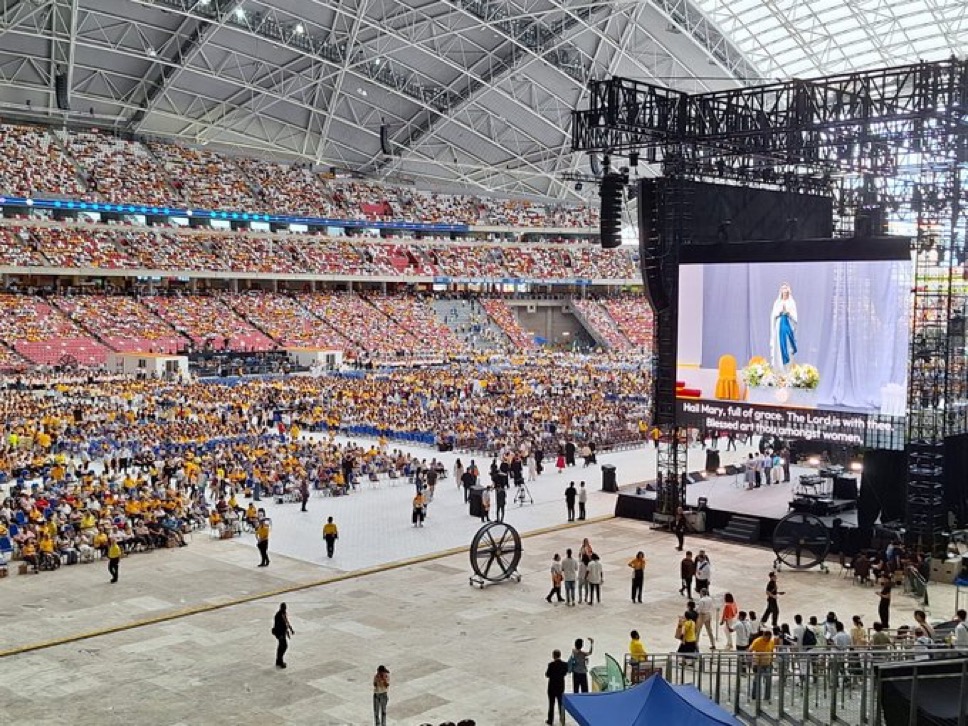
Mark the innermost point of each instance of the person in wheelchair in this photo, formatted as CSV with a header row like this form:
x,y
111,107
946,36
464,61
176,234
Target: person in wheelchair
x,y
49,560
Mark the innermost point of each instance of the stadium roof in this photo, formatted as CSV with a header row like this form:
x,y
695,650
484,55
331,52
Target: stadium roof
x,y
473,93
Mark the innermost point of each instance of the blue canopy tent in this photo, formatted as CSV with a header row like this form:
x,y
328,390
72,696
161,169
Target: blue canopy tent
x,y
651,702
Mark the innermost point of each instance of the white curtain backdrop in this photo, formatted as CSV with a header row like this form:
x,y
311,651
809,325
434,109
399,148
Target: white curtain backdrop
x,y
853,321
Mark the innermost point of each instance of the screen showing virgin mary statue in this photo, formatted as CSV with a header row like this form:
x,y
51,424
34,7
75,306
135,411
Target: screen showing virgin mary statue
x,y
829,335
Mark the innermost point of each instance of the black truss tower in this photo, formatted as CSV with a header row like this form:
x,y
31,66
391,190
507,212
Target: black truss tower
x,y
885,143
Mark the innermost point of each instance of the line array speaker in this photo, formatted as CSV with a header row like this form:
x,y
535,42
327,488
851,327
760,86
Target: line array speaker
x,y
610,228
62,92
385,141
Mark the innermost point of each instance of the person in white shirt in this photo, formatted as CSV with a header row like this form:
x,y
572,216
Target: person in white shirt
x,y
960,639
841,639
922,643
703,571
707,611
595,580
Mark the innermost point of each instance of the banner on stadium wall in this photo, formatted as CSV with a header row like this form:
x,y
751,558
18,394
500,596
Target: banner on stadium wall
x,y
787,423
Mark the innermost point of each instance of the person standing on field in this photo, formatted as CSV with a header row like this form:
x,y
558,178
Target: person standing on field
x,y
330,534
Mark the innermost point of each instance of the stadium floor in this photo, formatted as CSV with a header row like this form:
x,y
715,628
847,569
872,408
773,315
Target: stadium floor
x,y
454,651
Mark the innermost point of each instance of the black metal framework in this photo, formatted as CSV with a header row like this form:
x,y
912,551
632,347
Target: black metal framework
x,y
886,143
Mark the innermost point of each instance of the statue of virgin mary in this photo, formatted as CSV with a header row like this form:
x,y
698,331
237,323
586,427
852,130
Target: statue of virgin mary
x,y
783,328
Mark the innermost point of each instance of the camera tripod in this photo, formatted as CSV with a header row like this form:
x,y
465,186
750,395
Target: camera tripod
x,y
522,493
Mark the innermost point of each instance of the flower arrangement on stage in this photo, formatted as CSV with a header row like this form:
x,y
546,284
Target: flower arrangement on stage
x,y
759,374
803,376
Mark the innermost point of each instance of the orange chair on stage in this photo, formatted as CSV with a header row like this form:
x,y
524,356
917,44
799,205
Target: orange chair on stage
x,y
727,385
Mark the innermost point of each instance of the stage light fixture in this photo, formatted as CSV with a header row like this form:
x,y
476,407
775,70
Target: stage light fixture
x,y
813,461
857,467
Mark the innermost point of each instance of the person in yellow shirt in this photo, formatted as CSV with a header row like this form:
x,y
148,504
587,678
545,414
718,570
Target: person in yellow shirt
x,y
637,564
262,542
762,650
637,652
114,559
251,515
330,534
28,552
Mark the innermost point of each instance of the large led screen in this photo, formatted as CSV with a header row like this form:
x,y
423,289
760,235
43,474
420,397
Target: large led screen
x,y
808,335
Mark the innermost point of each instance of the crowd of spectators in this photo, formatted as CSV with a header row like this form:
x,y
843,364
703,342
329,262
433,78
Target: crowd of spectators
x,y
89,323
206,179
41,333
367,332
633,315
114,246
122,323
597,317
502,315
32,162
284,320
118,421
416,316
82,247
17,248
208,323
120,171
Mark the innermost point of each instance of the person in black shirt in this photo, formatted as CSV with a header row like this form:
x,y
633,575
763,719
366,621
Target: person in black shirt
x,y
501,498
570,494
555,673
468,480
884,606
772,605
679,528
282,630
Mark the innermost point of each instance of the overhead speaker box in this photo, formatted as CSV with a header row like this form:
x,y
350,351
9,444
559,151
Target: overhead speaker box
x,y
595,164
610,229
62,92
385,141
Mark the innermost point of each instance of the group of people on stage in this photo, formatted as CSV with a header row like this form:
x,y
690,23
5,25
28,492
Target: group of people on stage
x,y
770,467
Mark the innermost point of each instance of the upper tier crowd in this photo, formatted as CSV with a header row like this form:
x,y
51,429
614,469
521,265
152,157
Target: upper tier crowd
x,y
119,247
94,166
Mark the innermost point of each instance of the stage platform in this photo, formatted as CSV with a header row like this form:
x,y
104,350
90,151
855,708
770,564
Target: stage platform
x,y
727,495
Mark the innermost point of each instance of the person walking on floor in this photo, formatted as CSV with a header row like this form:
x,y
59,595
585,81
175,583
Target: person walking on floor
x,y
582,500
772,603
282,630
419,505
330,534
579,665
583,578
728,619
707,611
304,494
381,695
687,570
704,571
570,494
595,579
555,673
114,559
679,528
569,571
638,575
262,541
556,579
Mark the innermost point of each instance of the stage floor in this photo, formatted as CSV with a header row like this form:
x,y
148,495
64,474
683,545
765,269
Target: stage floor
x,y
729,494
